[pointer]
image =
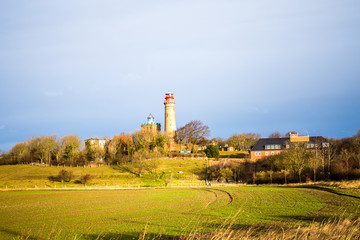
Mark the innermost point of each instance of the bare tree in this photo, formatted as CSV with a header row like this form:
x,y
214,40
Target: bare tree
x,y
346,155
219,141
237,141
32,147
46,146
71,144
180,135
357,147
275,135
139,163
2,157
243,141
195,132
18,152
58,151
298,157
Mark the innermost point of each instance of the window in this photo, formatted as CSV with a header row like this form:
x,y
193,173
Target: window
x,y
287,146
276,146
266,153
272,153
267,147
272,146
278,152
312,145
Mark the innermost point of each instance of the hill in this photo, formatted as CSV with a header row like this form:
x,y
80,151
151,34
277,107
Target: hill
x,y
177,172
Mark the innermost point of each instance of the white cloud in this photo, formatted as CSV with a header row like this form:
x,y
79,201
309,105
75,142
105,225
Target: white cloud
x,y
52,94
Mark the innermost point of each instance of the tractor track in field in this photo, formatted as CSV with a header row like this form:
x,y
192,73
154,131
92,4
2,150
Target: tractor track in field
x,y
215,199
229,201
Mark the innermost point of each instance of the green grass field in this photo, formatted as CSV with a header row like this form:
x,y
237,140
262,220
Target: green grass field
x,y
168,211
32,206
177,172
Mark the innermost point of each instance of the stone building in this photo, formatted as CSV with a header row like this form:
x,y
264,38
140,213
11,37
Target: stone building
x,y
95,142
151,125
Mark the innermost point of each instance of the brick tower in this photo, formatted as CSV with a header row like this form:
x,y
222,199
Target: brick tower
x,y
170,122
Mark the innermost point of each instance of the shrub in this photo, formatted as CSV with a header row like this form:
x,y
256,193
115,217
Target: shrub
x,y
85,178
212,151
65,175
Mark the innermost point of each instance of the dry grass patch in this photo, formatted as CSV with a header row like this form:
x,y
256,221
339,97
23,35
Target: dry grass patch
x,y
331,229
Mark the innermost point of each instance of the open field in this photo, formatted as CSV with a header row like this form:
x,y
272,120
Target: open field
x,y
55,210
175,172
166,211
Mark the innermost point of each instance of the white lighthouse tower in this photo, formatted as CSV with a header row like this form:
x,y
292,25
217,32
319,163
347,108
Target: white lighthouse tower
x,y
170,122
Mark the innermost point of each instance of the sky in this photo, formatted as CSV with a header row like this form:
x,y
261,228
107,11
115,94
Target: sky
x,y
97,68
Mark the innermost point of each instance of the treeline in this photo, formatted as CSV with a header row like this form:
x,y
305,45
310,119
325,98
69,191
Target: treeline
x,y
339,161
240,141
70,150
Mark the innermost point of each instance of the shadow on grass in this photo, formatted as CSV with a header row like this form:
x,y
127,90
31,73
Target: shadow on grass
x,y
306,218
125,168
234,155
122,236
325,189
54,179
16,234
201,173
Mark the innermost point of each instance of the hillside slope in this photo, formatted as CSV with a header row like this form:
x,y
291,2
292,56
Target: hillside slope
x,y
167,172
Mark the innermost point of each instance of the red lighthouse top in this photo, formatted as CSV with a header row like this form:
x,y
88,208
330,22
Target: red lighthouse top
x,y
169,97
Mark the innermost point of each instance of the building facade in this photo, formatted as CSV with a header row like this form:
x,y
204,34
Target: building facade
x,y
95,142
265,147
151,125
226,148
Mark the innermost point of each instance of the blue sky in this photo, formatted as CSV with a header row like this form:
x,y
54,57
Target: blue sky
x,y
98,68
